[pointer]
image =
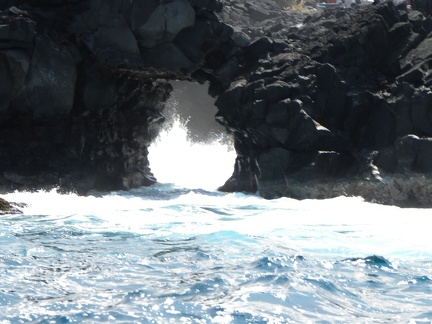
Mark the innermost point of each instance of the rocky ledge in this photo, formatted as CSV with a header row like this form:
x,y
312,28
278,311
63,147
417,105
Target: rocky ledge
x,y
320,104
7,208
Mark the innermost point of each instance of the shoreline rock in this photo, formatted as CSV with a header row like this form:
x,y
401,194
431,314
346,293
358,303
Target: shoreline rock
x,y
8,208
395,190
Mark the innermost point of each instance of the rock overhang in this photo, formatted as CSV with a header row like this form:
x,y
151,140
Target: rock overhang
x,y
85,84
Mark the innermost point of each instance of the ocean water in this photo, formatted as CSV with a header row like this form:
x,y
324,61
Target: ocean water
x,y
182,252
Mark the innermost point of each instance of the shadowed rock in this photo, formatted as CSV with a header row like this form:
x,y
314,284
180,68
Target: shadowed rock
x,y
338,106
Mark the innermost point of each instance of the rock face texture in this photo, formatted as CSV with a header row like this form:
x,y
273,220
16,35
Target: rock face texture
x,y
320,104
341,105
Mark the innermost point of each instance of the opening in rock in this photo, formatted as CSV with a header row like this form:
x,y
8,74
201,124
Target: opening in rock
x,y
193,150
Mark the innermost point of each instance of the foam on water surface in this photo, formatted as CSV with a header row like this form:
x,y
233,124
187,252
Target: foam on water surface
x,y
185,253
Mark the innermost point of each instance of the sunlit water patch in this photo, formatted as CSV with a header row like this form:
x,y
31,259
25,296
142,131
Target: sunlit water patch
x,y
183,252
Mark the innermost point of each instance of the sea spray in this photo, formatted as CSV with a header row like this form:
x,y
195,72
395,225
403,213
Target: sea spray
x,y
178,252
175,158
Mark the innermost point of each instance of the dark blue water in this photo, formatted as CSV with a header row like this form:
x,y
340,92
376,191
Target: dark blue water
x,y
172,255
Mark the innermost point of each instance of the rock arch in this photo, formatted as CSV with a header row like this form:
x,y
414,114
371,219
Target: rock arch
x,y
339,105
84,84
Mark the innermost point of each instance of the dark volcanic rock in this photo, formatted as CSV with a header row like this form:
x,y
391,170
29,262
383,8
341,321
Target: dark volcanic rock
x,y
265,17
320,104
338,106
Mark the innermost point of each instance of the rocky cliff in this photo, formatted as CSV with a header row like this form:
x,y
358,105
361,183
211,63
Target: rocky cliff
x,y
341,105
321,104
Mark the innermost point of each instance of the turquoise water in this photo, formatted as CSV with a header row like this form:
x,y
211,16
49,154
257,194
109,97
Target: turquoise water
x,y
184,253
166,254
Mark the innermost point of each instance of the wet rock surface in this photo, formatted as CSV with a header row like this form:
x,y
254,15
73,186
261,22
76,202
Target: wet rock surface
x,y
320,103
7,208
